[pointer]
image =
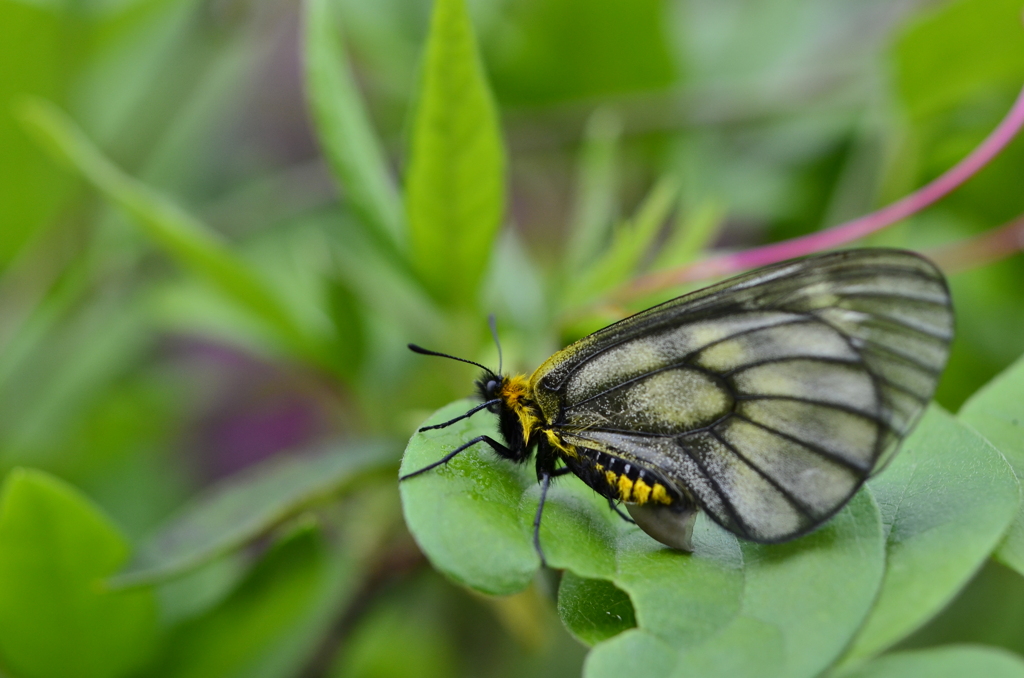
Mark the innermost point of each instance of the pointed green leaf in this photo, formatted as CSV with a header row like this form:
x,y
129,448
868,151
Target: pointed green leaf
x,y
693,231
630,243
946,500
183,237
248,504
56,617
344,129
997,412
455,186
595,206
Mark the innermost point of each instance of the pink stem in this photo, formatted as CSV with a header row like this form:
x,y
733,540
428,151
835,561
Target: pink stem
x,y
857,228
986,248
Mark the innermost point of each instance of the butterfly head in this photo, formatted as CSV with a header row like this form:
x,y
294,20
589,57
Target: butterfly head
x,y
489,386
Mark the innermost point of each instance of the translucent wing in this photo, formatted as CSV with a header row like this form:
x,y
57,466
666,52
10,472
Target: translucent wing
x,y
769,398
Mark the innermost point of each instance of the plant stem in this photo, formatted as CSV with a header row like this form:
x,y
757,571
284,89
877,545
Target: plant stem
x,y
986,248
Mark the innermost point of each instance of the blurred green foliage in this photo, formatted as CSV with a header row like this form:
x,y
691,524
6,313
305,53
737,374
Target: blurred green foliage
x,y
221,221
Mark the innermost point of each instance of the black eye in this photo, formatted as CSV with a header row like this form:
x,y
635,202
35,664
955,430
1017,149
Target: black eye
x,y
492,386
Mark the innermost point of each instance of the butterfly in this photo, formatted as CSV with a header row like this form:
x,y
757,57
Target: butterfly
x,y
766,400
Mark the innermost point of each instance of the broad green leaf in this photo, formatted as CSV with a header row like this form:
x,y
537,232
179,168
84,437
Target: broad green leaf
x,y
619,656
189,241
56,618
250,503
950,661
781,627
272,623
630,243
344,129
760,606
466,515
595,204
593,609
782,609
997,412
946,500
455,185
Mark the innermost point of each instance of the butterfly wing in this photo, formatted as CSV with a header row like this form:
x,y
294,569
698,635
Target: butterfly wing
x,y
768,398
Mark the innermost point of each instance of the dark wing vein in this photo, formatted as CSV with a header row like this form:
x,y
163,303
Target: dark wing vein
x,y
796,502
820,403
827,454
875,346
788,358
726,502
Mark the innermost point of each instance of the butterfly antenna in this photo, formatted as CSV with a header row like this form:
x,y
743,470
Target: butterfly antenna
x,y
493,322
423,351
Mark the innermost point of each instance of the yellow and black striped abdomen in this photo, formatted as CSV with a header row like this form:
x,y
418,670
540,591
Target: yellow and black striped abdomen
x,y
620,479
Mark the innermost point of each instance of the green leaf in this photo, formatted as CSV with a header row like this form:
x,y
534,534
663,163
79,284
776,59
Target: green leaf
x,y
515,289
946,500
56,619
758,606
390,292
593,609
950,661
272,623
455,186
466,516
196,592
630,243
344,129
997,412
43,395
780,626
189,241
248,504
595,206
618,657
692,233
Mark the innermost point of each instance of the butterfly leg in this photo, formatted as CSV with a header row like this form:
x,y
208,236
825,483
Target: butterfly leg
x,y
495,445
460,417
545,483
615,507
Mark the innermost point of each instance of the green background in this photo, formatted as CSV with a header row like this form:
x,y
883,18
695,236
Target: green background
x,y
221,222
